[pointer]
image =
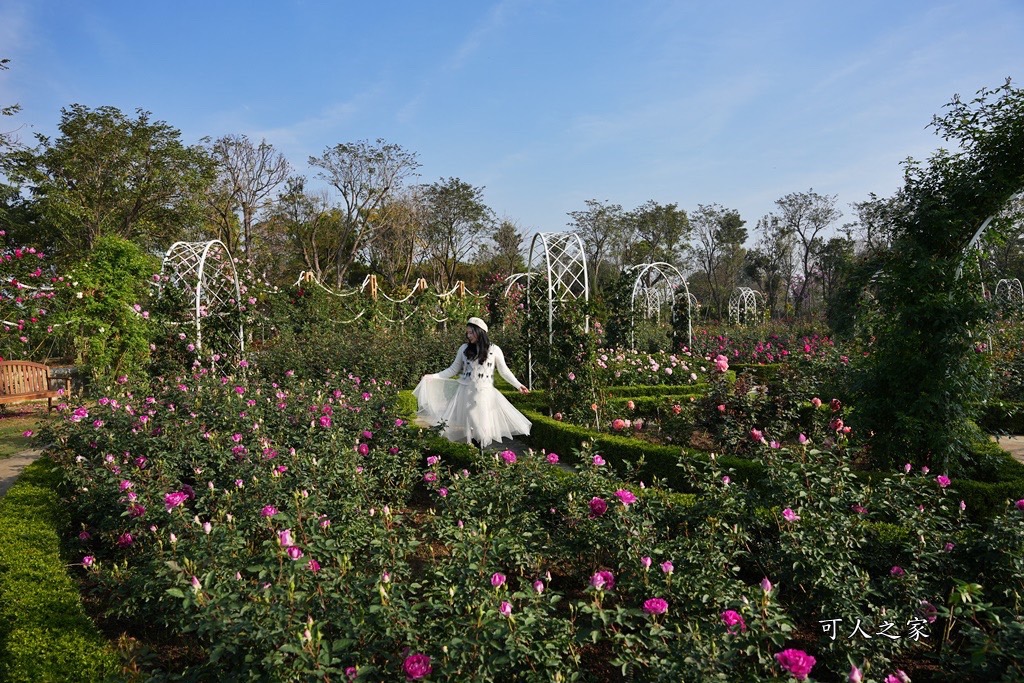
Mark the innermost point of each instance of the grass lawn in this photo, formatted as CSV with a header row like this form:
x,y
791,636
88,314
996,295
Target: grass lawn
x,y
13,423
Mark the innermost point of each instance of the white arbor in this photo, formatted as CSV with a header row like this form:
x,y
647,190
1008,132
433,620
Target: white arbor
x,y
205,273
1009,297
745,306
657,285
559,258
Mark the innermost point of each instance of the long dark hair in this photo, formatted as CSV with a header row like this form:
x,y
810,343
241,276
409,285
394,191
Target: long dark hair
x,y
478,351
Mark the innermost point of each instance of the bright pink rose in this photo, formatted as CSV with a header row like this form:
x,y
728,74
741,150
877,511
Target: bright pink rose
x,y
417,666
797,662
733,621
603,580
943,480
627,497
655,606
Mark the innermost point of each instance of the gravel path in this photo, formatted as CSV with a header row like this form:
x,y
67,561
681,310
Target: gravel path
x,y
11,468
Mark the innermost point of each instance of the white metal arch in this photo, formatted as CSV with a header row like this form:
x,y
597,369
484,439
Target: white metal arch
x,y
744,305
657,284
513,280
561,259
207,271
1009,296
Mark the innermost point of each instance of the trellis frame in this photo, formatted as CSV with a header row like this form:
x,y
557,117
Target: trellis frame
x,y
560,256
743,305
667,285
211,281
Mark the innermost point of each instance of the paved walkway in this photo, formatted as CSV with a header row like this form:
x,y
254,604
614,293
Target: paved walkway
x,y
1014,445
11,468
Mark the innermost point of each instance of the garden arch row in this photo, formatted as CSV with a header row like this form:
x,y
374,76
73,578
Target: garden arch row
x,y
206,271
560,259
656,284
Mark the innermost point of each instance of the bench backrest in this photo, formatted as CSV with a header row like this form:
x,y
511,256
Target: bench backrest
x,y
23,377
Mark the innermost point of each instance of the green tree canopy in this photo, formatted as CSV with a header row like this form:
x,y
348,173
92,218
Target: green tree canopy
x,y
109,174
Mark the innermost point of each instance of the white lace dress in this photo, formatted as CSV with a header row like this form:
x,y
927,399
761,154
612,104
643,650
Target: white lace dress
x,y
469,406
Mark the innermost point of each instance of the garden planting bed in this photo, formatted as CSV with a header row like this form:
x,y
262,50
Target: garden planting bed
x,y
374,551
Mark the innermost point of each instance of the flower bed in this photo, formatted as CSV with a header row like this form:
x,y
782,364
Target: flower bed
x,y
229,512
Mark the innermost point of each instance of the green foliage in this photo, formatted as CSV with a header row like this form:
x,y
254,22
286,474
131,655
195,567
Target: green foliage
x,y
44,632
109,174
98,312
619,304
920,383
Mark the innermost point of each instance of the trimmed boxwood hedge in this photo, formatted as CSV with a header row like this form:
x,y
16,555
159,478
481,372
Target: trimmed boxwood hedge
x,y
984,499
1005,417
456,455
629,391
45,634
658,461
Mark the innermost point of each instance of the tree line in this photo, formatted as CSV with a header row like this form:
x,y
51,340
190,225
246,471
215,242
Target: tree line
x,y
111,173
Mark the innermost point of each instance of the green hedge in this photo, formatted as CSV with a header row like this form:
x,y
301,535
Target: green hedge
x,y
456,455
1006,417
646,405
984,499
45,634
658,461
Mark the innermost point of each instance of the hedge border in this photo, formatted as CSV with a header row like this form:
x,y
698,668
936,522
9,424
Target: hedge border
x,y
45,634
984,499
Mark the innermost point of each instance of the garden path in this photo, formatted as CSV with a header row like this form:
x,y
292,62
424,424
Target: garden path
x,y
11,468
1013,444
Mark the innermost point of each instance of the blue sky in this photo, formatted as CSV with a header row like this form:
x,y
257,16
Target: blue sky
x,y
545,103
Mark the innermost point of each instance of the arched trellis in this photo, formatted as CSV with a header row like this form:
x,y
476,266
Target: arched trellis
x,y
745,305
1009,297
560,258
514,280
656,285
206,271
973,247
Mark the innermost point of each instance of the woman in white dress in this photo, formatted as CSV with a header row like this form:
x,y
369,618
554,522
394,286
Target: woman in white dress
x,y
470,408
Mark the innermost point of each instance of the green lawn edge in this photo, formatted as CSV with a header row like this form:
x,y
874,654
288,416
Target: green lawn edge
x,y
45,634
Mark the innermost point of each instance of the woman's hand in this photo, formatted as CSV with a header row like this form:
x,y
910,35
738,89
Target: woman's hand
x,y
523,390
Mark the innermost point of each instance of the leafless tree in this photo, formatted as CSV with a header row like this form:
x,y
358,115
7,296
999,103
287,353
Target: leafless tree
x,y
366,175
247,175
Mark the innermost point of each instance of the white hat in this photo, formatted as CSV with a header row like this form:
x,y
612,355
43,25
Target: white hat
x,y
478,322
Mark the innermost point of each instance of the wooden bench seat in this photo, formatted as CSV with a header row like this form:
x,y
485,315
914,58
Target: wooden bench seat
x,y
23,380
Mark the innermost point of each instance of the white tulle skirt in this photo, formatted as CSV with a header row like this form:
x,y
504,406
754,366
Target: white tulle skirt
x,y
469,411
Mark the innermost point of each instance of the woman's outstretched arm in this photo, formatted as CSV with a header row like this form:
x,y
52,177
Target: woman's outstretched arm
x,y
502,368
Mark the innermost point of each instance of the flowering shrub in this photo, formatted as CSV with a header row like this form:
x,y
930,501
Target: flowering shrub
x,y
295,529
618,367
27,288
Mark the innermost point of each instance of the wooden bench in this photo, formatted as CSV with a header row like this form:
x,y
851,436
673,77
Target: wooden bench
x,y
23,380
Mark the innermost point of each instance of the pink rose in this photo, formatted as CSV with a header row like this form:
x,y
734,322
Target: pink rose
x,y
655,606
598,507
797,662
417,666
733,621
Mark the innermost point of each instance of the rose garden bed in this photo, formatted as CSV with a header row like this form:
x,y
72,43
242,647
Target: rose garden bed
x,y
295,531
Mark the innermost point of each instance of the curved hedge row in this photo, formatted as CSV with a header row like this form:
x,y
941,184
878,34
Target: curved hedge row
x,y
45,634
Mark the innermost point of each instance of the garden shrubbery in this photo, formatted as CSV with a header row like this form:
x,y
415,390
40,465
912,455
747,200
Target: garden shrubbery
x,y
294,529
